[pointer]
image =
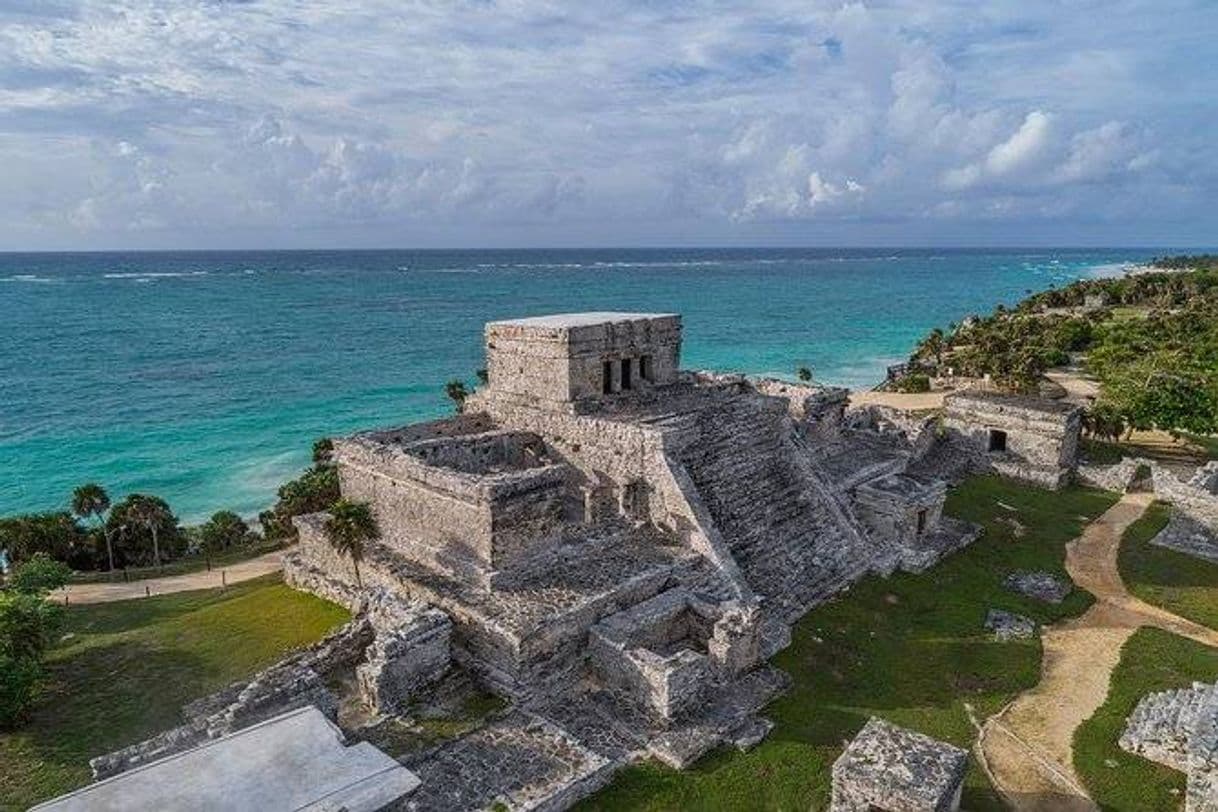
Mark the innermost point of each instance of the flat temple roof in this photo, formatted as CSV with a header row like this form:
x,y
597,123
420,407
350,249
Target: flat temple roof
x,y
560,321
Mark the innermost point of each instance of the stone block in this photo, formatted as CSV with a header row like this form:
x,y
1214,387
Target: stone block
x,y
892,769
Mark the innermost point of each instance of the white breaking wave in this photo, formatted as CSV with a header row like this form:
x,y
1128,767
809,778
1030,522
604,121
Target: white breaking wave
x,y
32,279
148,275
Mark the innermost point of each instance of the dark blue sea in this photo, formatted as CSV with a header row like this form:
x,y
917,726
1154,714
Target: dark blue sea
x,y
205,377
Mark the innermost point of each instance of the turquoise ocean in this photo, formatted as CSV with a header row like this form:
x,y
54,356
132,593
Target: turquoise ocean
x,y
205,377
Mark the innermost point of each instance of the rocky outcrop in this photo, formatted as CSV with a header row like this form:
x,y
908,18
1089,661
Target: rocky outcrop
x,y
1179,729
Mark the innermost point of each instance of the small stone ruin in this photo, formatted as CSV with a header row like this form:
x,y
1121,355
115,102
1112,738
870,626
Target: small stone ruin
x,y
1009,626
891,769
1027,438
1179,729
1042,586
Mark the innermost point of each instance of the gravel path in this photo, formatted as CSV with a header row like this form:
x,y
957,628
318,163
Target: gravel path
x,y
1028,746
121,591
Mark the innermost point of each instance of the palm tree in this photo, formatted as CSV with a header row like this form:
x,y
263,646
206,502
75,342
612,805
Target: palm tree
x,y
804,374
349,525
152,513
457,392
91,500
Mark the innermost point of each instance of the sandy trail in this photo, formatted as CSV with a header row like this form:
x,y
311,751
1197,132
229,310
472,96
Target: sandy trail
x,y
907,401
120,591
1027,747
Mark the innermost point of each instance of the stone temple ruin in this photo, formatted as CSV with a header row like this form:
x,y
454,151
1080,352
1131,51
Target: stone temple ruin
x,y
621,545
616,547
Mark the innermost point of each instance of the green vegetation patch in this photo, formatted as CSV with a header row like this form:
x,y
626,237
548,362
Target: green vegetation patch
x,y
185,565
1179,583
1151,660
910,649
123,670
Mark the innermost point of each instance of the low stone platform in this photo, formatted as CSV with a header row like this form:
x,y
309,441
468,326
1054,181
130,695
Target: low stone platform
x,y
521,761
890,768
951,535
1188,536
291,762
1008,625
1043,586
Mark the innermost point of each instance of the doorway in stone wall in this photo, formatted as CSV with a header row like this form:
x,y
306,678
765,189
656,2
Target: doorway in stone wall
x,y
998,441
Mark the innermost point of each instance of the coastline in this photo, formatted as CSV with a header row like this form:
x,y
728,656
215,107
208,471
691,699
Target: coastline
x,y
216,409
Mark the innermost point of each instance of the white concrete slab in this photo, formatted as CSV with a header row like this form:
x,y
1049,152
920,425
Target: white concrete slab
x,y
296,761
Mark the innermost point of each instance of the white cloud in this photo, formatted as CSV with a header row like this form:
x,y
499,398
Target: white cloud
x,y
531,118
1028,142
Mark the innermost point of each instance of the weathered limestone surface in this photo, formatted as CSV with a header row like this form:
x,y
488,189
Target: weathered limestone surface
x,y
1186,535
1026,438
293,761
897,770
1179,729
667,653
521,761
1044,586
1008,625
616,547
410,650
560,360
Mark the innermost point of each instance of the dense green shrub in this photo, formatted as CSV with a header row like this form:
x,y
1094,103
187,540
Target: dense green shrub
x,y
56,534
40,573
314,490
914,382
1157,364
28,625
19,680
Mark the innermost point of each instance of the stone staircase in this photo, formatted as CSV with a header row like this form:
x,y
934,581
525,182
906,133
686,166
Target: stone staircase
x,y
794,541
1164,726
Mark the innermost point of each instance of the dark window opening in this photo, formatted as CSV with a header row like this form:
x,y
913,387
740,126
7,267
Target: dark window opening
x,y
645,370
607,377
998,440
626,382
921,521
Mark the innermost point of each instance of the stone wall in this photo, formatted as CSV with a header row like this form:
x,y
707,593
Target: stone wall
x,y
555,361
1206,478
1040,436
818,411
455,520
1115,477
1198,503
891,508
665,654
411,650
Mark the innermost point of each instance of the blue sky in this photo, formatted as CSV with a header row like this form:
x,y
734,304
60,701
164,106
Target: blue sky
x,y
288,123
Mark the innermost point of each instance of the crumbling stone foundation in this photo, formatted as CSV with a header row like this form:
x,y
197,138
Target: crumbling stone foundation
x,y
892,769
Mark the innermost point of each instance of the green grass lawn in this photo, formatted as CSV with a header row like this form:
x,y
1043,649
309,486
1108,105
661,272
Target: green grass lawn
x,y
126,668
1152,660
910,649
1183,584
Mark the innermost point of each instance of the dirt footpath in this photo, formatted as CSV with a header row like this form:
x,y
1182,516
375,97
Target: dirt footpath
x,y
1028,746
121,591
